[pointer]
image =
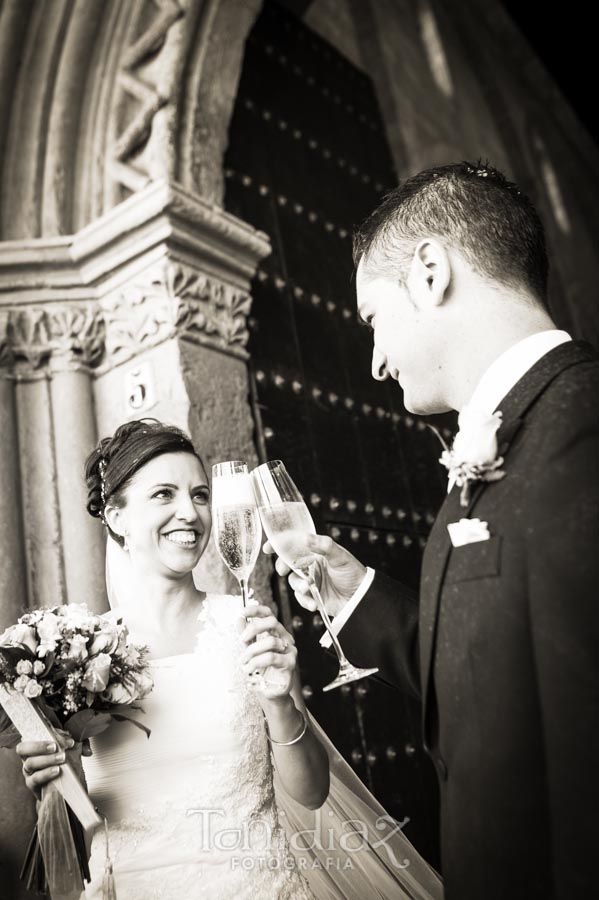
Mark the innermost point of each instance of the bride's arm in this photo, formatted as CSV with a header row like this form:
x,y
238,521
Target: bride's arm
x,y
302,762
303,766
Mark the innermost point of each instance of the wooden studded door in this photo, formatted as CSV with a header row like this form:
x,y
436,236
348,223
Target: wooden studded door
x,y
307,161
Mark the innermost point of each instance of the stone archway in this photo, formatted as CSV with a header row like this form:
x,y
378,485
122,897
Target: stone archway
x,y
103,97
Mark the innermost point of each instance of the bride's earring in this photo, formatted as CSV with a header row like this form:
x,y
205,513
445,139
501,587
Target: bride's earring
x,y
125,544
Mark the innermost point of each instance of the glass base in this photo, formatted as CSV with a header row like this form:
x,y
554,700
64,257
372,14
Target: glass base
x,y
347,674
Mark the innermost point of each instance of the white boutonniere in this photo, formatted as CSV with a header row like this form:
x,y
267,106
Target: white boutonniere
x,y
473,455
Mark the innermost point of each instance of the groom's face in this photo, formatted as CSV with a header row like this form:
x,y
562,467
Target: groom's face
x,y
404,339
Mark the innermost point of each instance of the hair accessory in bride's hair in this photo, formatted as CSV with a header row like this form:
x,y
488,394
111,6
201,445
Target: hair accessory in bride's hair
x,y
102,471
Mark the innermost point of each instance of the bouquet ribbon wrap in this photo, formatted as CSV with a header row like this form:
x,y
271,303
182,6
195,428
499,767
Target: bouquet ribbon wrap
x,y
56,859
56,862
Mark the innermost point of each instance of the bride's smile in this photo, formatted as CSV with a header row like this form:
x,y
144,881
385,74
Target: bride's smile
x,y
186,538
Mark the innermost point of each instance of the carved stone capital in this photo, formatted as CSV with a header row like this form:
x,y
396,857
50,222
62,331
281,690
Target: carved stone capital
x,y
163,264
209,311
136,317
170,300
54,337
174,300
6,357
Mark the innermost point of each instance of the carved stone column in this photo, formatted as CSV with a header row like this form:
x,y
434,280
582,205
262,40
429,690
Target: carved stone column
x,y
39,497
74,435
13,572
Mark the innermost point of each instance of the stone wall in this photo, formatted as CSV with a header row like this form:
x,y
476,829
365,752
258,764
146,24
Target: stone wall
x,y
458,81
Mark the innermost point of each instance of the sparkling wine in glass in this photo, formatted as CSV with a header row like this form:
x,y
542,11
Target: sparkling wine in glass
x,y
287,523
235,521
238,536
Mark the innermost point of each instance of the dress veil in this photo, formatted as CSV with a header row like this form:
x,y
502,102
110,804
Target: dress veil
x,y
351,848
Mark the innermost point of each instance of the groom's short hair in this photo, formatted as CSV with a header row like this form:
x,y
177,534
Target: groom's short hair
x,y
473,208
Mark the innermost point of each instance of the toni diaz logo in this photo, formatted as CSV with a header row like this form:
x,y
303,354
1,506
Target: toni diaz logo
x,y
319,847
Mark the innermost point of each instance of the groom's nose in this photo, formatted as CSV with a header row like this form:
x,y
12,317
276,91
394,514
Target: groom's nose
x,y
379,365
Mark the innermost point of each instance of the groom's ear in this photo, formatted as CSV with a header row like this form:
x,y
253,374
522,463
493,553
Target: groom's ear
x,y
430,274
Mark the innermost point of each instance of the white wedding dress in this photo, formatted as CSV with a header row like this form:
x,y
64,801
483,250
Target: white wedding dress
x,y
191,809
197,810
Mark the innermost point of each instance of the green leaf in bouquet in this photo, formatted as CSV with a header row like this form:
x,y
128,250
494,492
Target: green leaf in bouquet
x,y
65,668
13,654
121,718
123,708
48,662
87,723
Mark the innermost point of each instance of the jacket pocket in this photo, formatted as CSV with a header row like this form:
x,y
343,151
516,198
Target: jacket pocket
x,y
481,559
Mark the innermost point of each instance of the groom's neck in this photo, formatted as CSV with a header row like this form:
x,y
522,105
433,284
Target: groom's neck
x,y
491,326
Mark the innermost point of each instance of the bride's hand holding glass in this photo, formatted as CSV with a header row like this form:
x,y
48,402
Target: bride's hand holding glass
x,y
268,646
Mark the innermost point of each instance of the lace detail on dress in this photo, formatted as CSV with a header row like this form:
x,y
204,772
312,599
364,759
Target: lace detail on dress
x,y
191,810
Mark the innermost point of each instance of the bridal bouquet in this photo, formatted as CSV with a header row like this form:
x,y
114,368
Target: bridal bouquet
x,y
78,671
79,668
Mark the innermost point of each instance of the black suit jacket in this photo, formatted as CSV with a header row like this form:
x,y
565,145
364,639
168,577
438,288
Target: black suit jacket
x,y
503,649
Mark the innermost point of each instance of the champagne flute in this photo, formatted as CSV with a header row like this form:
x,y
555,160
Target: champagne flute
x,y
236,523
238,535
287,523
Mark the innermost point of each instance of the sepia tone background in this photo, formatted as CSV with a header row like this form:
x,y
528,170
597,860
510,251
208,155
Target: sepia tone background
x,y
179,183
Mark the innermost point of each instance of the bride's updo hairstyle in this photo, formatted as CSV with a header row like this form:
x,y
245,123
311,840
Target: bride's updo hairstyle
x,y
110,467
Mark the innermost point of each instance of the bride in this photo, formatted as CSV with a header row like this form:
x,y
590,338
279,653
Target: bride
x,y
229,796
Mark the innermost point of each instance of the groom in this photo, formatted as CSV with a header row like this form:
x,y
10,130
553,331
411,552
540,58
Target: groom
x,y
501,644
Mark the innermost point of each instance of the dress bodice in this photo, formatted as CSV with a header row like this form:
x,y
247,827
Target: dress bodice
x,y
191,809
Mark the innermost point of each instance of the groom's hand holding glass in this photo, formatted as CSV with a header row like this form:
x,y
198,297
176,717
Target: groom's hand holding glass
x,y
337,573
289,527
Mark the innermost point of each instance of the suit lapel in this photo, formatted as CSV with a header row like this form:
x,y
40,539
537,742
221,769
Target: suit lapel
x,y
434,563
514,407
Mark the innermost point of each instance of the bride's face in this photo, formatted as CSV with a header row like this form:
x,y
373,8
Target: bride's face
x,y
166,518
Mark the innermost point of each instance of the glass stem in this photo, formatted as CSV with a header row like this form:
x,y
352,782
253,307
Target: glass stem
x,y
245,595
244,591
343,660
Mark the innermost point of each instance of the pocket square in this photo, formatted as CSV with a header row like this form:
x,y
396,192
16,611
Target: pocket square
x,y
468,531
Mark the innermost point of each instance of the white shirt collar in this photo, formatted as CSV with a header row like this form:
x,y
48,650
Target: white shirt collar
x,y
508,369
